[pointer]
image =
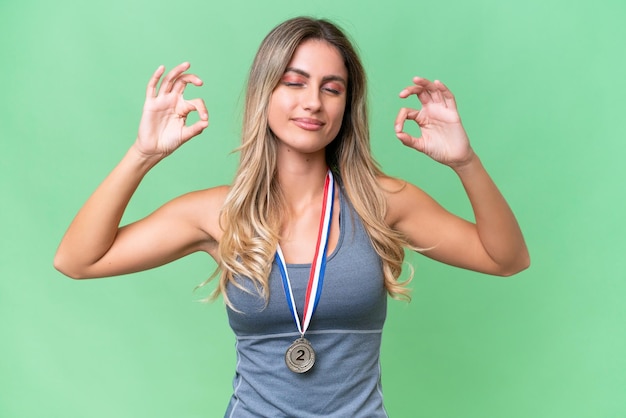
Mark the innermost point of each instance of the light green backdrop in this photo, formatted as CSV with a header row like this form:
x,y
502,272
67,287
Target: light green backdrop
x,y
540,84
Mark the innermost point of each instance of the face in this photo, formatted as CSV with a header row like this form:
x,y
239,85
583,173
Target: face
x,y
306,107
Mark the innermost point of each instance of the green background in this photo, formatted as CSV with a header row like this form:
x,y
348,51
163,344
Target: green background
x,y
540,86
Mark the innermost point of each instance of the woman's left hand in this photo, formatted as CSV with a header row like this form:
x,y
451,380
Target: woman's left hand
x,y
443,136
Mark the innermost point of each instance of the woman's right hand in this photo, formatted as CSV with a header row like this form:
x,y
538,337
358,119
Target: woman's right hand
x,y
162,128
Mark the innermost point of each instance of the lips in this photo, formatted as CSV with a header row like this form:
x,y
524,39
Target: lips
x,y
308,124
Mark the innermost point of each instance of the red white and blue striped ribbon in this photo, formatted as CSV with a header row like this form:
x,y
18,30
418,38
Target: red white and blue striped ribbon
x,y
318,267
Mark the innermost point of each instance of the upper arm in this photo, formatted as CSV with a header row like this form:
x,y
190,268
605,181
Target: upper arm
x,y
432,230
184,225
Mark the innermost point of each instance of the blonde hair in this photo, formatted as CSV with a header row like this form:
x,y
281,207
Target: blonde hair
x,y
253,210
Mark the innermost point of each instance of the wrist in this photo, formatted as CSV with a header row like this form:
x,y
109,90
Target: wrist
x,y
141,159
466,164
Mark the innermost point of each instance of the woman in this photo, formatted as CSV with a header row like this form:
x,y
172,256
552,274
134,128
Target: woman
x,y
309,237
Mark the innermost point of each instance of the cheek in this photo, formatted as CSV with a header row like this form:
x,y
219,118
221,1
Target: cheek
x,y
279,104
274,110
337,123
338,114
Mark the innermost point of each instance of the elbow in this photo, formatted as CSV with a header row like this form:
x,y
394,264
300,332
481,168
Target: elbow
x,y
65,268
522,262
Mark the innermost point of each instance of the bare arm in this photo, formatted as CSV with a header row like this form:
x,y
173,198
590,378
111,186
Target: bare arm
x,y
94,244
494,244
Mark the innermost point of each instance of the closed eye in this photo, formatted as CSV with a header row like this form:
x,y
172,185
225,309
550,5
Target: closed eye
x,y
332,91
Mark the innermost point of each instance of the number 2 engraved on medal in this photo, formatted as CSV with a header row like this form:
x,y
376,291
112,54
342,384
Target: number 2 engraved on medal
x,y
300,356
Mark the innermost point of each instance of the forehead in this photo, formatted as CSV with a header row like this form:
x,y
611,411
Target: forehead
x,y
319,59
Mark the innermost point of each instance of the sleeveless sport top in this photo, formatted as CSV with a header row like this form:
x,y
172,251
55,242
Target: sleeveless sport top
x,y
345,332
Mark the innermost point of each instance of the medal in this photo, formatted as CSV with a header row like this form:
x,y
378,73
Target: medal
x,y
300,355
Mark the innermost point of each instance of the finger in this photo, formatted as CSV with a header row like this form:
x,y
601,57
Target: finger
x,y
181,82
170,78
189,132
436,93
447,94
407,91
185,107
405,138
411,141
420,89
154,80
200,107
400,118
405,114
421,81
433,92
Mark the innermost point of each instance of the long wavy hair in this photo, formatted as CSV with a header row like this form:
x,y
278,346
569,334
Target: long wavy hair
x,y
254,208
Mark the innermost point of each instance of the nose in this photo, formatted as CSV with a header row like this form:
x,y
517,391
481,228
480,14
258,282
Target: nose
x,y
311,99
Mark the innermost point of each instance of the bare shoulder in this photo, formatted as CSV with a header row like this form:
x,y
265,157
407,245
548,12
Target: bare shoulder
x,y
403,198
204,207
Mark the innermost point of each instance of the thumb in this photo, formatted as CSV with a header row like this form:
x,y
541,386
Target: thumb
x,y
411,142
189,132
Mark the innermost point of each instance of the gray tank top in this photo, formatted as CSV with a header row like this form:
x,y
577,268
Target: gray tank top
x,y
345,332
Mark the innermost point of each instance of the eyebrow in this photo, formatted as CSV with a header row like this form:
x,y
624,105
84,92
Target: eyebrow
x,y
307,75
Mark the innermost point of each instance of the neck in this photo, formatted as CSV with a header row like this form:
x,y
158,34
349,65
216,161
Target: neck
x,y
301,180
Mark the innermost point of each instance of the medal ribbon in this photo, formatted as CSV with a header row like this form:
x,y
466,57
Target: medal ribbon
x,y
318,267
